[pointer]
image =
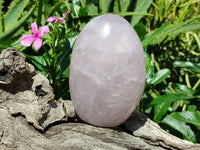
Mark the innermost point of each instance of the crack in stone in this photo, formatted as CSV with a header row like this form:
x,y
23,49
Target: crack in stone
x,y
158,143
1,135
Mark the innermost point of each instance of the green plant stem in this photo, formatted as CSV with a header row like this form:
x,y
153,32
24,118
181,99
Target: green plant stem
x,y
187,80
157,65
47,51
53,66
158,68
171,89
48,67
157,93
155,62
67,4
155,5
197,39
196,85
184,107
181,103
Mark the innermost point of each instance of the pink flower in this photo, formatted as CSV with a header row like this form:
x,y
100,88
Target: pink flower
x,y
27,40
60,19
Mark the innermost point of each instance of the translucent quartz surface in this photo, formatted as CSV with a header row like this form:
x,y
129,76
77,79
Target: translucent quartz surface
x,y
107,72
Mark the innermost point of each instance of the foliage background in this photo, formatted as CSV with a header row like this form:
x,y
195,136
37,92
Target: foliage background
x,y
170,34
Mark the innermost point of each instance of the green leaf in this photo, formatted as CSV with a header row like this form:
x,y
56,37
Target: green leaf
x,y
55,8
75,7
160,110
186,64
124,4
46,7
141,7
169,97
116,7
15,38
185,12
180,127
121,5
168,30
192,108
92,1
149,68
16,25
181,88
132,13
188,117
83,2
39,62
141,30
92,10
39,12
149,38
104,5
175,105
1,7
83,11
14,13
64,58
1,20
160,76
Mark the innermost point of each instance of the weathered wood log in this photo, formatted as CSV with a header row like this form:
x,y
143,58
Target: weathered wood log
x,y
30,118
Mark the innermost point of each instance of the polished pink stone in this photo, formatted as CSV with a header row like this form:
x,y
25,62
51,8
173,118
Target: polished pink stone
x,y
107,71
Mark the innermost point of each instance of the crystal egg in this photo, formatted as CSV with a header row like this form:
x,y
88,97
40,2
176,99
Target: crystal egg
x,y
107,71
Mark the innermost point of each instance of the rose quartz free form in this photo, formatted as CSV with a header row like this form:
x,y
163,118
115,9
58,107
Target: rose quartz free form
x,y
107,71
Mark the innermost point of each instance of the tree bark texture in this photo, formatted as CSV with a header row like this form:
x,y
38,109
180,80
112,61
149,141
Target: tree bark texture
x,y
30,118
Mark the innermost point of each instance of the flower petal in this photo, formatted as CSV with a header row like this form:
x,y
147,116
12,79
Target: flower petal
x,y
43,29
34,27
51,19
66,13
38,43
27,40
62,20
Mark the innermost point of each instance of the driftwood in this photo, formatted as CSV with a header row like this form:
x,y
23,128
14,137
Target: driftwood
x,y
30,118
